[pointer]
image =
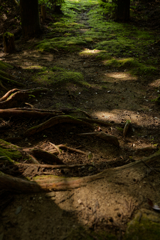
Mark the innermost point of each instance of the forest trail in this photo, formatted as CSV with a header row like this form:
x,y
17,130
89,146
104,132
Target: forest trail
x,y
88,63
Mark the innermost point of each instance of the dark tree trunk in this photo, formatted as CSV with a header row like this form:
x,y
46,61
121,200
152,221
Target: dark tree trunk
x,y
123,10
58,9
30,18
8,42
43,12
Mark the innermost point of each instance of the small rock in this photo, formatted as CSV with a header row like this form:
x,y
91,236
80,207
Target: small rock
x,y
18,210
79,201
50,194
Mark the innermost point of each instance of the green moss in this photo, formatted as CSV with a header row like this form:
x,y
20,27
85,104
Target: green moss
x,y
59,76
34,67
8,34
132,65
119,129
13,154
4,66
10,81
9,151
64,43
145,226
4,74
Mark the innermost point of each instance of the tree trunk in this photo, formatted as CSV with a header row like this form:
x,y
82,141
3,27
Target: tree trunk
x,y
8,42
123,11
30,18
43,12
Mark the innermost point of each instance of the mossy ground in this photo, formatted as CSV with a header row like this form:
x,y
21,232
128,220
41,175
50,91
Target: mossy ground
x,y
59,77
145,225
107,38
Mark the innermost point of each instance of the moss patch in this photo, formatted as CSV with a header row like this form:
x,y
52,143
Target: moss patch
x,y
5,65
64,43
59,76
9,151
132,65
145,226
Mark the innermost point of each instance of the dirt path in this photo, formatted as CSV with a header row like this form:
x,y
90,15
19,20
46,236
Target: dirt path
x,y
107,91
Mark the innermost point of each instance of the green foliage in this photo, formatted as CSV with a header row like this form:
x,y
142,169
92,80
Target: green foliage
x,y
132,65
51,3
59,76
109,7
66,43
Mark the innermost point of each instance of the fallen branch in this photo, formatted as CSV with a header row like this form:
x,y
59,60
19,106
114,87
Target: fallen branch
x,y
56,147
62,146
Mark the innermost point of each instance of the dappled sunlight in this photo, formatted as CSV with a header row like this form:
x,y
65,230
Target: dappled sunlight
x,y
121,115
90,2
155,83
119,76
105,193
37,67
87,51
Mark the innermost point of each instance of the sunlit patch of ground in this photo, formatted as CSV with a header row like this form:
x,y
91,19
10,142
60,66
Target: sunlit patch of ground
x,y
119,76
155,83
118,116
87,51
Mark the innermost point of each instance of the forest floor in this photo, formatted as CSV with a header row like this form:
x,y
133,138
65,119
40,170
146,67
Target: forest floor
x,y
88,63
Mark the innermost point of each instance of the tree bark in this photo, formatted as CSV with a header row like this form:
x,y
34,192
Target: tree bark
x,y
43,12
8,42
30,18
123,11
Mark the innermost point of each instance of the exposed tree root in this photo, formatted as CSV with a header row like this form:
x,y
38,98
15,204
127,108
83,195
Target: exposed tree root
x,y
47,157
11,112
11,155
47,166
15,98
54,121
48,183
8,94
32,158
56,112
